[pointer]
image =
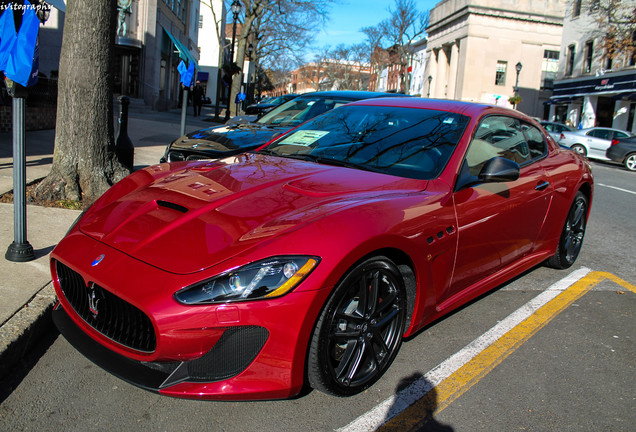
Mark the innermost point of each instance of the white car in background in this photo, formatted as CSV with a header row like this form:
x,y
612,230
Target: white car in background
x,y
555,129
591,142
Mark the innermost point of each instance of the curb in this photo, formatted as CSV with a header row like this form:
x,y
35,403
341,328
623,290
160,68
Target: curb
x,y
24,328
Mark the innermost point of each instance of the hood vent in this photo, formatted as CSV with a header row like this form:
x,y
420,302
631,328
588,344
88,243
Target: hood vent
x,y
172,206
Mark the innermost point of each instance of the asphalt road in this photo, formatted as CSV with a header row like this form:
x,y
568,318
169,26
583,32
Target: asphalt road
x,y
573,371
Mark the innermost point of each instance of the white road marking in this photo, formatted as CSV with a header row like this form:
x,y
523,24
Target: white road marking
x,y
397,403
616,188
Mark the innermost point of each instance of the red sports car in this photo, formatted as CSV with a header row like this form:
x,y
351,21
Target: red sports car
x,y
308,261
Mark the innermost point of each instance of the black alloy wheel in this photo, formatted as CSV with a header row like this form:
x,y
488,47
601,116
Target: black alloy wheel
x,y
572,235
359,332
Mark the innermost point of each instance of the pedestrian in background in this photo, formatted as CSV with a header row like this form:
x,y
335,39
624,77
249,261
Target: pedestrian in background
x,y
197,98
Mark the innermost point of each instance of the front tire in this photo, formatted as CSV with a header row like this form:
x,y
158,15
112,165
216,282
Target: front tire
x,y
579,149
359,331
630,162
571,239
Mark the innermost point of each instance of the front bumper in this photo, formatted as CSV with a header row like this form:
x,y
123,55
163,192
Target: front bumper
x,y
234,351
241,351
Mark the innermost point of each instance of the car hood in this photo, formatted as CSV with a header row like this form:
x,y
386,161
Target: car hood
x,y
201,214
227,139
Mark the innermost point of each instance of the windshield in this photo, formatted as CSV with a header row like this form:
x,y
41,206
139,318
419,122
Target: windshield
x,y
298,110
406,142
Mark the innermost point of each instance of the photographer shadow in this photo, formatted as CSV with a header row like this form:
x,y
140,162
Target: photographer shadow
x,y
425,410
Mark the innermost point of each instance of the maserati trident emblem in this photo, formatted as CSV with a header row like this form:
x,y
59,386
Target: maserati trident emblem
x,y
97,260
93,301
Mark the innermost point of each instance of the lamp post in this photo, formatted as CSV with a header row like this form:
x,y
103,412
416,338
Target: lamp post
x,y
250,76
430,80
236,9
518,67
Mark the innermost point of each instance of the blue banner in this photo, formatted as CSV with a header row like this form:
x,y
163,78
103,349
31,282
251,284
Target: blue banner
x,y
186,73
18,50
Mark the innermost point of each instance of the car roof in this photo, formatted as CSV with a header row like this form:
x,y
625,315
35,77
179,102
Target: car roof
x,y
351,94
472,109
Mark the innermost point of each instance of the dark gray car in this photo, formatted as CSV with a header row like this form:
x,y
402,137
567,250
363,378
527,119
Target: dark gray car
x,y
221,141
623,150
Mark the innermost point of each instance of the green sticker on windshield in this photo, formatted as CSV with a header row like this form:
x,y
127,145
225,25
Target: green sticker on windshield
x,y
304,137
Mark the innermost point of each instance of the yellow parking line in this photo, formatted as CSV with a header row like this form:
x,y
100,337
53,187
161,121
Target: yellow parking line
x,y
415,416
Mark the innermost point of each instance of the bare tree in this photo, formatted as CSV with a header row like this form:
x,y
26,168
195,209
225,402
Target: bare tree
x,y
84,161
405,25
277,28
616,28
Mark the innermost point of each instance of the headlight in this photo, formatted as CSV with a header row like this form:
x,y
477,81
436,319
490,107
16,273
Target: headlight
x,y
269,278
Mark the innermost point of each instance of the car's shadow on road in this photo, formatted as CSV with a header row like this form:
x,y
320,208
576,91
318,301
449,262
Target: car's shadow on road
x,y
11,379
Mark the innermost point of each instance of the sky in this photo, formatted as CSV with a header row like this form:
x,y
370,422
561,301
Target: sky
x,y
347,17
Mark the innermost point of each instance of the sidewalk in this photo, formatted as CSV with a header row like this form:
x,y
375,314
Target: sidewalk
x,y
26,293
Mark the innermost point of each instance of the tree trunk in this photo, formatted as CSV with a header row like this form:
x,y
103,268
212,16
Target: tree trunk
x,y
84,162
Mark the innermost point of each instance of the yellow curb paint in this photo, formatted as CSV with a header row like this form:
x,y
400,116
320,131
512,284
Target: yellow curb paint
x,y
415,416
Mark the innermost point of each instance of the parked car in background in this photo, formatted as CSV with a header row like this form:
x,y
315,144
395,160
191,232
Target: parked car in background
x,y
307,262
623,150
221,141
591,142
268,104
555,129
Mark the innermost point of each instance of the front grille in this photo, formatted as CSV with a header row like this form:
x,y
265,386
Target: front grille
x,y
105,312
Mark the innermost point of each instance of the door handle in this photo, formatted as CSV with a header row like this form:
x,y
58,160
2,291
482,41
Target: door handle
x,y
542,185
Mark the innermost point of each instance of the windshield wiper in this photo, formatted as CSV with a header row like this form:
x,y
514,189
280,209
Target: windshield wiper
x,y
335,162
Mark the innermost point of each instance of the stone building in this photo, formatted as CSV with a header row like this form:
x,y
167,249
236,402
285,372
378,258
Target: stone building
x,y
476,46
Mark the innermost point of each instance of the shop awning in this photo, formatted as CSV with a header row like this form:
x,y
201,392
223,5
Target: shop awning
x,y
560,99
184,52
608,84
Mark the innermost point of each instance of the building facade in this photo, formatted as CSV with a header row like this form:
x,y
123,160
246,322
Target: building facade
x,y
211,28
152,37
476,46
326,75
593,88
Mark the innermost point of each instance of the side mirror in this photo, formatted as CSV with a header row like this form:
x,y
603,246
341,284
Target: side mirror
x,y
499,169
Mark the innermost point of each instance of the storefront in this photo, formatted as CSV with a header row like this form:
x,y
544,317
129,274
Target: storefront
x,y
607,100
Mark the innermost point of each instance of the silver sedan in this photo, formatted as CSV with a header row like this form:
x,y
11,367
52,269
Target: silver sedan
x,y
591,142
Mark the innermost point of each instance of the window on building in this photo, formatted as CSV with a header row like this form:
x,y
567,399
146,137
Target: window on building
x,y
589,54
609,60
576,8
500,77
549,69
200,21
569,66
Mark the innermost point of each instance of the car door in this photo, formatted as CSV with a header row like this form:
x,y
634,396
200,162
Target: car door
x,y
498,222
598,141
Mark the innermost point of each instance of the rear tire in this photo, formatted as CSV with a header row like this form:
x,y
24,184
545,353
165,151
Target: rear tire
x,y
630,162
571,239
579,149
359,331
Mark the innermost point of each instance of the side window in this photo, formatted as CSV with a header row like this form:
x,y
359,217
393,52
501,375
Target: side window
x,y
536,141
621,135
497,136
600,133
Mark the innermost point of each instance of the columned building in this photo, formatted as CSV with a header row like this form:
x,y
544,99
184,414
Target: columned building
x,y
593,88
491,50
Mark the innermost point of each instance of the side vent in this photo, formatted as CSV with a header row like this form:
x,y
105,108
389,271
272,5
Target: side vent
x,y
440,235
